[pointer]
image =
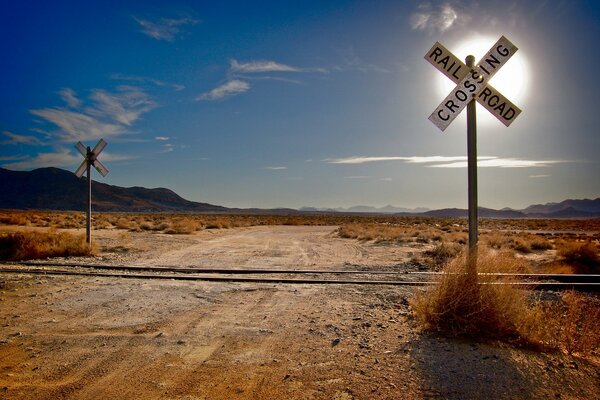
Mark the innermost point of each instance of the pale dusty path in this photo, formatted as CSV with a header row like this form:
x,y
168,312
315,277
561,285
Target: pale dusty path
x,y
103,338
315,247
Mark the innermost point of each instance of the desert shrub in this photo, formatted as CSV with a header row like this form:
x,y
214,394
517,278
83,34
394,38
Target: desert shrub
x,y
183,227
583,258
443,252
123,223
541,244
521,246
470,305
467,304
32,245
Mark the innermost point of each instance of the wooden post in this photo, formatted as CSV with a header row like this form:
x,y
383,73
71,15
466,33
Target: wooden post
x,y
472,175
88,227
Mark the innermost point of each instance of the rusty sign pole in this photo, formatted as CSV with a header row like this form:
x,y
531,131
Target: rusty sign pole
x,y
472,168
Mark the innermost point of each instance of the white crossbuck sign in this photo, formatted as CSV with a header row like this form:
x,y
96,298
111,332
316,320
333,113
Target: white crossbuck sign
x,y
472,84
91,158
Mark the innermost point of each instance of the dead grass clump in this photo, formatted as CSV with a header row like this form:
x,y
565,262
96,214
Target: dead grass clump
x,y
569,324
473,306
460,305
541,244
31,245
583,258
123,223
184,226
443,252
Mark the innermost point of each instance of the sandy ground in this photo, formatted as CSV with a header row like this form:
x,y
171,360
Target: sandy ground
x,y
107,338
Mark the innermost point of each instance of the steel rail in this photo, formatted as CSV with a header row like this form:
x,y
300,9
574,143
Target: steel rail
x,y
583,286
582,278
221,278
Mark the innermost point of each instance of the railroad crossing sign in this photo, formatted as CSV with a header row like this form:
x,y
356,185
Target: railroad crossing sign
x,y
91,159
472,83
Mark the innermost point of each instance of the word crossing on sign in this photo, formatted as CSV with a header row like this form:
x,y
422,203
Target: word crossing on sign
x,y
456,70
472,84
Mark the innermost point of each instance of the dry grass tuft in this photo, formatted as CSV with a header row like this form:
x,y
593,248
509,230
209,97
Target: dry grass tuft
x,y
584,258
461,306
472,306
32,245
183,226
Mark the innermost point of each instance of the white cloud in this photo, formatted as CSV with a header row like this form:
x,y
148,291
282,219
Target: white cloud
x,y
14,138
60,158
276,168
411,159
74,126
141,79
69,97
450,161
125,106
228,89
261,66
112,114
501,163
164,28
539,176
162,138
437,18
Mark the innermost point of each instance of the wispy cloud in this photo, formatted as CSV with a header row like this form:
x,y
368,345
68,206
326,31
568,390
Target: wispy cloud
x,y
164,28
162,138
110,114
69,97
281,168
141,80
437,19
357,177
74,126
124,106
228,89
502,163
258,66
411,159
450,161
539,176
61,157
14,138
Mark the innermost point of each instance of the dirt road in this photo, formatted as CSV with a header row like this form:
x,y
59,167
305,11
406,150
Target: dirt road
x,y
88,338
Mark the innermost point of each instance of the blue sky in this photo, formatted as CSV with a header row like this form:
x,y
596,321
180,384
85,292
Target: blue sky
x,y
324,103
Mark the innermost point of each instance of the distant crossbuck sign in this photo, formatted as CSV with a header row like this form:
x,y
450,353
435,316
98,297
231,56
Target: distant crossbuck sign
x,y
472,83
91,158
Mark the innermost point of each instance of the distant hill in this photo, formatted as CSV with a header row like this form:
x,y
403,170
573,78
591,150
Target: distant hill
x,y
389,209
57,189
567,206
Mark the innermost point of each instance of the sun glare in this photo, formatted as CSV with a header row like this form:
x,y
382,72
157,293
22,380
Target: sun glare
x,y
511,80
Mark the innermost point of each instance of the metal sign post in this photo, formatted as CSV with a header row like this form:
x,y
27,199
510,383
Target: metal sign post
x,y
90,159
472,85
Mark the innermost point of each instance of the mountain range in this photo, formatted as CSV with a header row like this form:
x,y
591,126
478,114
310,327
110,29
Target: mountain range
x,y
57,189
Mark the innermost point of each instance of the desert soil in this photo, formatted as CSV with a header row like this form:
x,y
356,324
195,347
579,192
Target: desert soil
x,y
111,338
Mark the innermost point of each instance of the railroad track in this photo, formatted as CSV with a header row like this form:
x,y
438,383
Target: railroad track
x,y
589,282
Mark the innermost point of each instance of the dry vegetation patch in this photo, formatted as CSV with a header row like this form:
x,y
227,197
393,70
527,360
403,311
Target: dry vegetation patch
x,y
470,305
21,246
